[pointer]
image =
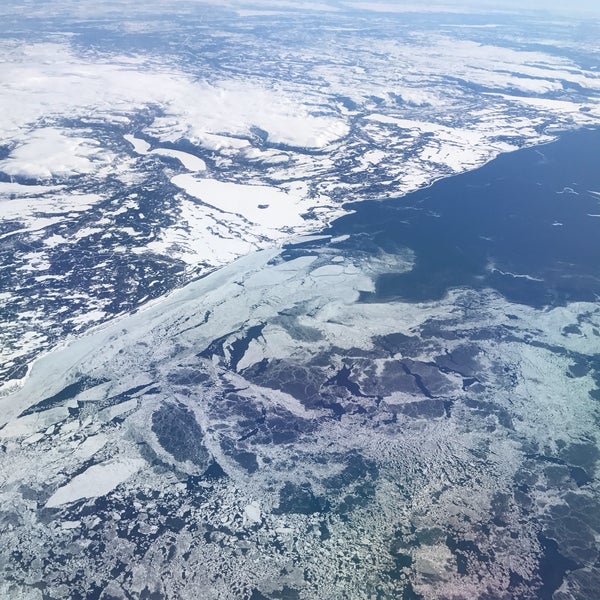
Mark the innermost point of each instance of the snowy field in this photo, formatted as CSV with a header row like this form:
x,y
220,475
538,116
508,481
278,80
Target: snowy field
x,y
148,167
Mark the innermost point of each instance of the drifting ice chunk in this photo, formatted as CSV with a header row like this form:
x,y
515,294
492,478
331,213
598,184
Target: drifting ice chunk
x,y
252,513
96,481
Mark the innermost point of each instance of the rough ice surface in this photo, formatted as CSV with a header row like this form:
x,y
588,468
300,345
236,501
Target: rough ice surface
x,y
308,434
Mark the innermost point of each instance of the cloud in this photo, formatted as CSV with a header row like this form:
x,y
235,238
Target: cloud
x,y
577,8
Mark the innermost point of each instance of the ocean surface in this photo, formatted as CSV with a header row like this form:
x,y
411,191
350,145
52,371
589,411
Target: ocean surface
x,y
526,224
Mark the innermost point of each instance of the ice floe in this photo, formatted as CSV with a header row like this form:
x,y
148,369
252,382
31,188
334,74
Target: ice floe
x,y
98,480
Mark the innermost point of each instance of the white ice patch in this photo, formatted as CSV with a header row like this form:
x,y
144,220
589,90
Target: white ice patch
x,y
339,239
91,446
200,237
18,189
269,207
50,152
48,80
189,161
140,146
35,422
112,412
39,209
252,513
96,481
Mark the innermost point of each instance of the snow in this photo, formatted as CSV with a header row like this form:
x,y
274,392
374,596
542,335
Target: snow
x,y
189,161
551,105
286,5
260,188
55,240
387,7
19,189
91,446
140,146
27,208
49,79
50,152
199,236
257,13
252,513
414,136
97,480
269,207
372,157
220,143
237,107
35,422
85,232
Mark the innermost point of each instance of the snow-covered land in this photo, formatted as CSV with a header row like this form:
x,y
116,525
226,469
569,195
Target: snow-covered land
x,y
149,167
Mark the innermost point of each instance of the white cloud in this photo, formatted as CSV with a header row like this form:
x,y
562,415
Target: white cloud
x,y
575,9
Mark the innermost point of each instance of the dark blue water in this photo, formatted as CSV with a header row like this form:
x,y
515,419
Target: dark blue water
x,y
525,213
